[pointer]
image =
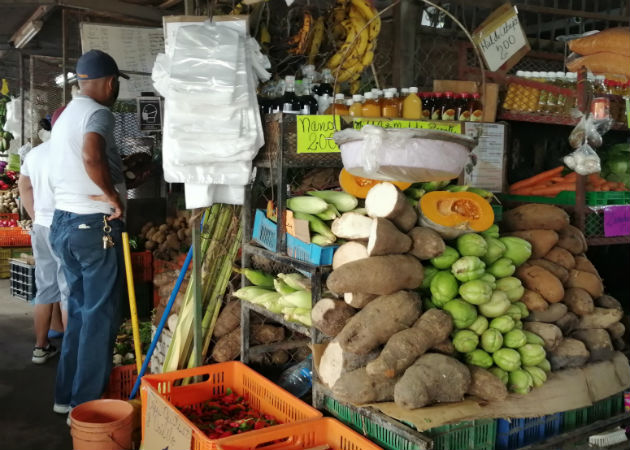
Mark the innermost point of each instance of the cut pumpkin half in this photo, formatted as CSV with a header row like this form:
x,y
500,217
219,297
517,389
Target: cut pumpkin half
x,y
454,213
359,187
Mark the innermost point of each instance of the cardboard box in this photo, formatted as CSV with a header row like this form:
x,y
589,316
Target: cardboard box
x,y
490,97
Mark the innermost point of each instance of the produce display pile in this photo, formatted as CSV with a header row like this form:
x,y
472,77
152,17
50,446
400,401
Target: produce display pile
x,y
169,240
123,347
225,415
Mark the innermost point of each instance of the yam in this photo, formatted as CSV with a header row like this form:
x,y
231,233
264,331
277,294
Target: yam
x,y
572,239
358,387
266,334
552,314
582,263
228,347
542,240
539,280
386,239
150,245
534,301
381,275
534,216
560,272
336,361
378,321
616,330
426,243
228,320
163,278
404,347
348,252
597,342
445,347
600,318
579,301
549,333
330,316
589,282
385,201
561,257
358,299
485,385
567,323
606,301
352,226
424,382
568,354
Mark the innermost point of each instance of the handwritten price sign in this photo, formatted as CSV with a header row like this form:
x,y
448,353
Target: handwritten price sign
x,y
453,127
314,134
164,427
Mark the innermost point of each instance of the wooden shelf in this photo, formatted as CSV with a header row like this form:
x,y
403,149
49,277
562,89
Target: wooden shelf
x,y
549,119
294,326
617,240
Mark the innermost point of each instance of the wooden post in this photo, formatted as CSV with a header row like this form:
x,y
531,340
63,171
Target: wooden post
x,y
406,23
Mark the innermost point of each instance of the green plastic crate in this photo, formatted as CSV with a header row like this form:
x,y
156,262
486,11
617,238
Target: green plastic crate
x,y
472,435
568,198
603,409
575,419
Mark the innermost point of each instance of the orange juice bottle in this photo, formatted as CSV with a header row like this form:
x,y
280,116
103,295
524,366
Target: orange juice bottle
x,y
357,106
389,105
339,106
370,107
404,92
412,106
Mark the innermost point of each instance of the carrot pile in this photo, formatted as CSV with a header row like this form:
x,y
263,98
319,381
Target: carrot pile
x,y
551,182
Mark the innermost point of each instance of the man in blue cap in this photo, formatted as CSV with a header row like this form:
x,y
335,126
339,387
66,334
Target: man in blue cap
x,y
87,181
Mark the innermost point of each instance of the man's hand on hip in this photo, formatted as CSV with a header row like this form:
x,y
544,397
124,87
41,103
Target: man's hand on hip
x,y
115,203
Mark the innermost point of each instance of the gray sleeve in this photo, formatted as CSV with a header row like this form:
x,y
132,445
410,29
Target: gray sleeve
x,y
101,122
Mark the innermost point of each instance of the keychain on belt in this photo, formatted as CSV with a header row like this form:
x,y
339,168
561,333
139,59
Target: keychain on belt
x,y
108,242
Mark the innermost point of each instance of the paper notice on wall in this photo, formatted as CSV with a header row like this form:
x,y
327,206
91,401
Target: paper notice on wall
x,y
487,168
164,427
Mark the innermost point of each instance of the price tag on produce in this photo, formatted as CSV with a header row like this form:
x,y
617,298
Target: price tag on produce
x,y
501,39
164,427
453,127
617,221
314,134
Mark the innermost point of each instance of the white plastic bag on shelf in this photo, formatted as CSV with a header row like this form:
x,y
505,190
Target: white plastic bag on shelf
x,y
13,122
202,195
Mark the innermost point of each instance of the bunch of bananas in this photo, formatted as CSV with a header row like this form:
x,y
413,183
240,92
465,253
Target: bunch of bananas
x,y
355,35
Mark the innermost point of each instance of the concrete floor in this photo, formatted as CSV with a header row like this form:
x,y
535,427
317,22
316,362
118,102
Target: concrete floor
x,y
27,421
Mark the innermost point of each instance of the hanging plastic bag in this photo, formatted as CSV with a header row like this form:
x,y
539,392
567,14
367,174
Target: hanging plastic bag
x,y
583,161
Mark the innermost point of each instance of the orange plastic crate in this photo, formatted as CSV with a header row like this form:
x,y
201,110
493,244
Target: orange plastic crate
x,y
302,435
142,267
121,382
262,395
9,216
14,237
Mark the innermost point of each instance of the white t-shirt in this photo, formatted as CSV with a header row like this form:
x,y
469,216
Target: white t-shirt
x,y
36,166
71,184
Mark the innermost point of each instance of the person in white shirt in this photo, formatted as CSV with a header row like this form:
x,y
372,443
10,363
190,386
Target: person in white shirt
x,y
86,230
37,198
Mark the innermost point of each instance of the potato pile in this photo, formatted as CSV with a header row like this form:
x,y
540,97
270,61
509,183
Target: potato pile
x,y
168,240
577,321
8,201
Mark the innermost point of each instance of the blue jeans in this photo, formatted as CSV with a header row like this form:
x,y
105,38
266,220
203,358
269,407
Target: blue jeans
x,y
95,282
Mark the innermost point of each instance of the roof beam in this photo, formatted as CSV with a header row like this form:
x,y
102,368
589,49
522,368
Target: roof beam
x,y
116,8
571,13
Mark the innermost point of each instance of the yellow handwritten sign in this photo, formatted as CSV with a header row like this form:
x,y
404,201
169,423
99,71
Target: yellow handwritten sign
x,y
453,127
314,134
164,427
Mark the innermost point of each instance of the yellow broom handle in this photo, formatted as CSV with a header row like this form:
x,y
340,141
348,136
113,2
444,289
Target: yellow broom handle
x,y
132,301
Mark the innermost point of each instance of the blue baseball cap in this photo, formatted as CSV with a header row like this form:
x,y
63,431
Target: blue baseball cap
x,y
97,64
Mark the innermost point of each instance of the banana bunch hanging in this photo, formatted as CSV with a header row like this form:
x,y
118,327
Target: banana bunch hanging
x,y
355,42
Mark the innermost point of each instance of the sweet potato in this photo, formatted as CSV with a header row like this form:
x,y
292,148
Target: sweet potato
x,y
358,387
336,361
597,342
552,314
600,318
228,347
423,382
542,240
404,347
606,301
266,334
381,275
228,320
549,333
582,263
539,280
534,301
569,353
330,316
386,239
378,321
567,323
616,330
572,239
426,243
579,301
560,272
561,257
534,216
486,385
589,282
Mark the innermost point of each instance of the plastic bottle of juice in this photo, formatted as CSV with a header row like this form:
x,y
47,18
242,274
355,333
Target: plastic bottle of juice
x,y
389,105
357,106
463,107
476,108
552,97
290,102
426,98
326,86
449,106
370,107
308,102
404,92
412,106
436,108
339,106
